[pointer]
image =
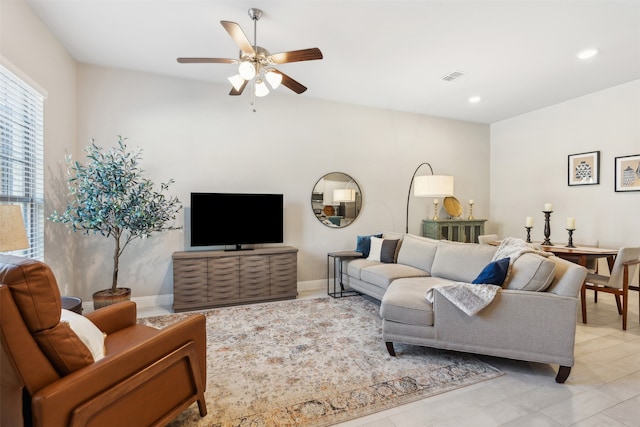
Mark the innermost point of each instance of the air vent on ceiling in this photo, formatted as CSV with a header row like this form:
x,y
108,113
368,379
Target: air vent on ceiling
x,y
452,76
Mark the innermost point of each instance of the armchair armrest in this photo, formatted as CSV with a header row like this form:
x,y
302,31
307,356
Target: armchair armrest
x,y
55,404
626,279
114,317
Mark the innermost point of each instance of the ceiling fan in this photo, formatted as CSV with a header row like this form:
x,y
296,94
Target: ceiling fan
x,y
256,64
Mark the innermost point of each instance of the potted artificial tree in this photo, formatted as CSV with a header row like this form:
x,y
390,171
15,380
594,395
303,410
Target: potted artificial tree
x,y
109,196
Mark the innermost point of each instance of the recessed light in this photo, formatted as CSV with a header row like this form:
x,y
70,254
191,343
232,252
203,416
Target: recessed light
x,y
474,99
588,53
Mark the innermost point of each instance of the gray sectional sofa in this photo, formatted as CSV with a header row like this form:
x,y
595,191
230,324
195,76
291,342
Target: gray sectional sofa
x,y
531,318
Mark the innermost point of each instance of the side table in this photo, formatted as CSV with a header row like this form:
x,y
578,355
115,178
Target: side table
x,y
338,257
72,304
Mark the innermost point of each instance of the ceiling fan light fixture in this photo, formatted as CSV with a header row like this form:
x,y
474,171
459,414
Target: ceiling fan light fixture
x,y
236,81
273,78
247,70
255,62
261,88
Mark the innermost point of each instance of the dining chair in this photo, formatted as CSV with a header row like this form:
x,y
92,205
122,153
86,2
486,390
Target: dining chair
x,y
618,283
484,239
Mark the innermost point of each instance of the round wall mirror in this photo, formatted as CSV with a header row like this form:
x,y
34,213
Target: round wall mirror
x,y
336,200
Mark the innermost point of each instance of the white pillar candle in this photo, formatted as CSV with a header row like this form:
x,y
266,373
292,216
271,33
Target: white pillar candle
x,y
528,221
571,223
548,207
471,201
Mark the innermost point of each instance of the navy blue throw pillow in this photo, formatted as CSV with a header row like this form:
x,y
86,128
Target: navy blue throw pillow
x,y
494,273
363,244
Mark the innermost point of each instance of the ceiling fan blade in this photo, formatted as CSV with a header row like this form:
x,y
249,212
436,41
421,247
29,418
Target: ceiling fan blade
x,y
238,36
235,92
296,56
207,60
290,83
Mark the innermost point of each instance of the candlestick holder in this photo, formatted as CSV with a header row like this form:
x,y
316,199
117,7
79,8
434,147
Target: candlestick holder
x,y
570,230
435,210
470,211
528,234
547,228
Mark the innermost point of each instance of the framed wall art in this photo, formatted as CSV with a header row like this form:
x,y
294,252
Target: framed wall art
x,y
584,168
627,173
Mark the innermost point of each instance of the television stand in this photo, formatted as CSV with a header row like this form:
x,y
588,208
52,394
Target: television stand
x,y
238,248
207,279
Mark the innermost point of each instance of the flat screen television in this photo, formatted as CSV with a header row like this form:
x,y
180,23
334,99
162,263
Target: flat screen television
x,y
221,219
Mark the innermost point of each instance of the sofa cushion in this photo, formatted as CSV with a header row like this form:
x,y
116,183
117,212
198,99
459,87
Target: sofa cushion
x,y
355,266
363,244
383,250
418,252
531,272
383,274
494,273
461,262
404,301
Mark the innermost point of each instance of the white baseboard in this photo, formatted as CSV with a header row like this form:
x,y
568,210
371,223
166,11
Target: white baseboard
x,y
165,301
312,285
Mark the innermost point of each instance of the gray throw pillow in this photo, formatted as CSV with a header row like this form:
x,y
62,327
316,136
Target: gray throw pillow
x,y
383,250
531,272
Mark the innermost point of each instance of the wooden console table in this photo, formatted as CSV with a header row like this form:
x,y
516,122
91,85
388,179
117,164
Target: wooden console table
x,y
206,279
457,230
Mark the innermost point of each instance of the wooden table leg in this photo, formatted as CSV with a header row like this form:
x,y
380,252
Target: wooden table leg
x,y
582,260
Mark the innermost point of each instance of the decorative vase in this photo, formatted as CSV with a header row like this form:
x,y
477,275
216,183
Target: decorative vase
x,y
107,297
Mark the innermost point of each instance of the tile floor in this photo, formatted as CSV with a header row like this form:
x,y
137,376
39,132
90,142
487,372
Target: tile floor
x,y
602,390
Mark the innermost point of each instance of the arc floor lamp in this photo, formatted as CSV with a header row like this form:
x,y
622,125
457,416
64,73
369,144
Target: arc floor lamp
x,y
429,186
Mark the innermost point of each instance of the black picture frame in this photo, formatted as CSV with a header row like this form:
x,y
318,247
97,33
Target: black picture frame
x,y
583,168
627,173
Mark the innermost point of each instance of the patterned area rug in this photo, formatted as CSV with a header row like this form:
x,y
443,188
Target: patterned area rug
x,y
314,362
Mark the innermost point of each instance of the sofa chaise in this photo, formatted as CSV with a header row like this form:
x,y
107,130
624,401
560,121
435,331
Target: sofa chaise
x,y
532,317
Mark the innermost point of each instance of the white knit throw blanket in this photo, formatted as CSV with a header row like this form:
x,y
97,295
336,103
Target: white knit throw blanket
x,y
470,298
512,248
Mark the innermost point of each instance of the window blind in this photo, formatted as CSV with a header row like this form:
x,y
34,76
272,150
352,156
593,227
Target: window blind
x,y
21,156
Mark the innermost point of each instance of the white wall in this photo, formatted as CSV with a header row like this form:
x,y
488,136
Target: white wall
x,y
32,51
529,167
206,140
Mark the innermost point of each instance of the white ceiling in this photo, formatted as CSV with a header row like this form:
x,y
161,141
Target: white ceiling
x,y
518,56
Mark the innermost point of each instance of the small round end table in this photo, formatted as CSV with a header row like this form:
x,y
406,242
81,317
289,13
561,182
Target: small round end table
x,y
72,304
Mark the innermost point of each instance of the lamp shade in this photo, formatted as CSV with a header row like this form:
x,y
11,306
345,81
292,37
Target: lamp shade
x,y
273,78
236,81
13,235
433,186
247,70
261,88
344,195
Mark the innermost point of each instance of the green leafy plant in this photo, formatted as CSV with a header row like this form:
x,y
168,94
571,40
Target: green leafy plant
x,y
109,196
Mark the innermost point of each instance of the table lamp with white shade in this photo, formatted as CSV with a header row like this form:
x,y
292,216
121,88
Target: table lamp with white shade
x,y
13,235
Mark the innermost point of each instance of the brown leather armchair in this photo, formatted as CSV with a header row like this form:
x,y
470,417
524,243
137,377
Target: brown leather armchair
x,y
147,377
